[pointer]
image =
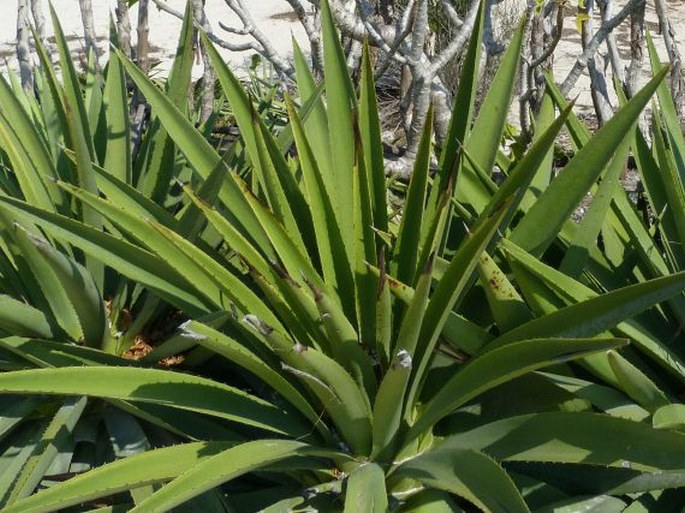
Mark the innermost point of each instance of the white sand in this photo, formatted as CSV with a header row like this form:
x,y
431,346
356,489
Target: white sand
x,y
164,28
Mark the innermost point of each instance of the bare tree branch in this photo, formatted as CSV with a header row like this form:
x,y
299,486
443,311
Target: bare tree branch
x,y
597,39
677,78
89,30
637,47
458,44
123,27
24,46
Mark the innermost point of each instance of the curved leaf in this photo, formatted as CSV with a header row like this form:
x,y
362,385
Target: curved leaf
x,y
155,466
221,468
469,474
500,365
171,389
586,438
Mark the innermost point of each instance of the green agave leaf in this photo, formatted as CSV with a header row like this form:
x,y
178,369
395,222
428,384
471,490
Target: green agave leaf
x,y
500,365
130,199
283,195
118,156
670,114
197,150
460,124
167,388
52,441
127,438
316,124
599,504
45,353
52,108
529,170
579,132
228,284
671,416
636,384
282,192
344,341
466,473
597,314
241,106
155,179
21,319
567,291
670,175
51,296
72,89
334,264
83,295
364,252
155,466
209,277
578,253
647,248
16,454
14,410
366,490
223,467
227,347
447,295
655,190
458,331
384,324
405,254
340,101
577,438
31,161
432,501
388,407
507,306
605,398
295,262
596,480
540,226
93,103
129,260
485,136
232,236
81,142
370,135
342,397
543,177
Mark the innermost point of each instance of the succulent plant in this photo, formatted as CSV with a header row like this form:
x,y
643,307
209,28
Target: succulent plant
x,y
468,351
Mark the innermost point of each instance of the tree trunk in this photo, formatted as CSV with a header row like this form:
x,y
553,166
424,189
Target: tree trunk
x,y
677,78
89,31
598,90
138,105
208,81
124,27
24,46
39,23
637,50
143,50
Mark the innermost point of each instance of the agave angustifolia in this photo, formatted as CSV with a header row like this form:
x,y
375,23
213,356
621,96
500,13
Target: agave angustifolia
x,y
361,356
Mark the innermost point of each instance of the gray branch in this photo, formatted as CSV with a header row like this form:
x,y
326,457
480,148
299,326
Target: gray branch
x,y
24,46
597,39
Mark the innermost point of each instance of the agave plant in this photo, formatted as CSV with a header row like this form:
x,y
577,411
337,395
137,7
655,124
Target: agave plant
x,y
343,357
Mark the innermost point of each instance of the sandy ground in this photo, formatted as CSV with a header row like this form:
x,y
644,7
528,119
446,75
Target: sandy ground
x,y
566,54
164,28
270,15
